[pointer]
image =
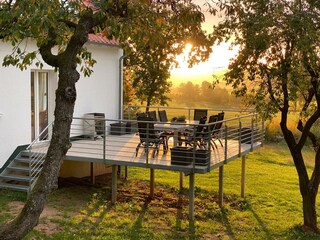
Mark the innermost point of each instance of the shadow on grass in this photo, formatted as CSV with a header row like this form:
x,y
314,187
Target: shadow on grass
x,y
260,221
226,223
136,228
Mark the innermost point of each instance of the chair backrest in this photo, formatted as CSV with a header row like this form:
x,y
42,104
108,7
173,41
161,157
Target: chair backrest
x,y
163,116
146,128
153,115
200,127
141,114
199,113
220,118
213,119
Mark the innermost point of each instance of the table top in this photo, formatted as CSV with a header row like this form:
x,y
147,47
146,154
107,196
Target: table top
x,y
175,125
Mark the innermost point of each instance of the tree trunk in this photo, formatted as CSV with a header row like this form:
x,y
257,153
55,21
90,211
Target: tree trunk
x,y
60,143
309,212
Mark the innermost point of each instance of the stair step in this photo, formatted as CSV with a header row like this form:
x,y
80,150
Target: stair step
x,y
26,154
27,160
14,187
18,168
15,177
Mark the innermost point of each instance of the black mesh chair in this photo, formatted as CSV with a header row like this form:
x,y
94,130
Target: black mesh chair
x,y
153,115
216,132
141,114
163,116
199,113
212,127
198,136
149,138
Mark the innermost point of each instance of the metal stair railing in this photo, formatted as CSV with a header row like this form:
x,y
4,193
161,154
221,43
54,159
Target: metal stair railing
x,y
36,152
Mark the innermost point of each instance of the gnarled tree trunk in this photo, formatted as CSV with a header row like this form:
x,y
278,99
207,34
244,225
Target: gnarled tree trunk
x,y
60,143
309,212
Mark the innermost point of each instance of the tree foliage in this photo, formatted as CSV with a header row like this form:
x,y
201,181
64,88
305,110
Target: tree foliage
x,y
60,29
165,36
277,65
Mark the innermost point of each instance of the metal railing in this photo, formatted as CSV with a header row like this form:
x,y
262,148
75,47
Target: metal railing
x,y
180,146
188,113
37,151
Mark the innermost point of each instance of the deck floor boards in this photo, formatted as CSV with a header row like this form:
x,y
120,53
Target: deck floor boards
x,y
120,150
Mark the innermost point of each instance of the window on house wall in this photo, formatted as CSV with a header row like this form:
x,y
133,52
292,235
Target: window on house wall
x,y
39,103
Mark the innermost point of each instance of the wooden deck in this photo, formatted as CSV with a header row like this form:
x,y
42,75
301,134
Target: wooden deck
x,y
120,150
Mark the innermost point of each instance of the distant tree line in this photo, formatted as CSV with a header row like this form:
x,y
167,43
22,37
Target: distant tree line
x,y
191,94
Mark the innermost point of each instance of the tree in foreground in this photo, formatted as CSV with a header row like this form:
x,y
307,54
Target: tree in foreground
x,y
62,27
278,65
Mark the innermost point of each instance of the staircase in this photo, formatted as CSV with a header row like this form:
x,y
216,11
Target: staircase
x,y
22,171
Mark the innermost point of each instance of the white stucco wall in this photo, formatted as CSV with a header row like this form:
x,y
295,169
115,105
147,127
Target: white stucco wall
x,y
99,93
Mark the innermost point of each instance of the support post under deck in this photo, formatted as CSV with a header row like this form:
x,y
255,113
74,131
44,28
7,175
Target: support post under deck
x,y
92,173
221,186
243,176
114,184
191,197
126,172
151,182
181,181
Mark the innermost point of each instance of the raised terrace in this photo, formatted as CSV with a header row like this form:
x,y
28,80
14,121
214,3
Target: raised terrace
x,y
190,145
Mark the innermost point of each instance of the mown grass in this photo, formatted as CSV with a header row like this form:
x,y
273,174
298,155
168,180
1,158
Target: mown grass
x,y
271,209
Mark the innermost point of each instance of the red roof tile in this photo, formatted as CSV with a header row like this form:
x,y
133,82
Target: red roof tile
x,y
100,38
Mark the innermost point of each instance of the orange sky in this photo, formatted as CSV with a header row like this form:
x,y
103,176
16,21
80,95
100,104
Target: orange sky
x,y
217,62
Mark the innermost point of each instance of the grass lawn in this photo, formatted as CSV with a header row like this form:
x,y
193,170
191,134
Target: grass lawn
x,y
271,209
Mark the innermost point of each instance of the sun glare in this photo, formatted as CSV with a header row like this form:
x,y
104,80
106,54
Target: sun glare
x,y
218,61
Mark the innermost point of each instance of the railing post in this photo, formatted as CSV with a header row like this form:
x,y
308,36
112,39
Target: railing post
x,y
189,115
194,145
240,137
226,142
252,131
129,112
30,170
208,145
262,133
104,142
147,142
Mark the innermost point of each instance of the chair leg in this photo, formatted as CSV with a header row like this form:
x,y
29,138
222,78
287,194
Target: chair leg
x,y
137,149
213,144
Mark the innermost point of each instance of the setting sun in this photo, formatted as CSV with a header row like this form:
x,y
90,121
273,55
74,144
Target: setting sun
x,y
217,62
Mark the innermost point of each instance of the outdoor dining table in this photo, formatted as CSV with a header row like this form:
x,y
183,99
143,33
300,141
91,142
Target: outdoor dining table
x,y
176,127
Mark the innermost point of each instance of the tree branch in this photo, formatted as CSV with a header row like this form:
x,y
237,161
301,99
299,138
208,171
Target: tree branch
x,y
45,50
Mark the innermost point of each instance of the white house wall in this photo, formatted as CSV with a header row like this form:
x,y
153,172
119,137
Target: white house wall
x,y
105,97
99,93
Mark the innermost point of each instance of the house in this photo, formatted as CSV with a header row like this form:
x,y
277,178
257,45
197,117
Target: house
x,y
28,97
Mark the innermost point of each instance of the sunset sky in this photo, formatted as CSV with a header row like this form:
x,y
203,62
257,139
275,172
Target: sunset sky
x,y
217,63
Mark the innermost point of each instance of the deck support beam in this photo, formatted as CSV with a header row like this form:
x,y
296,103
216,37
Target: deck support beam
x,y
181,182
92,173
221,186
126,172
152,183
114,184
191,197
243,176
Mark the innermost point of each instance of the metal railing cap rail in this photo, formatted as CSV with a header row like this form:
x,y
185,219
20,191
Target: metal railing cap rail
x,y
192,108
172,123
37,138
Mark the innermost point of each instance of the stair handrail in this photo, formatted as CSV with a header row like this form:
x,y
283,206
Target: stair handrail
x,y
40,134
35,165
